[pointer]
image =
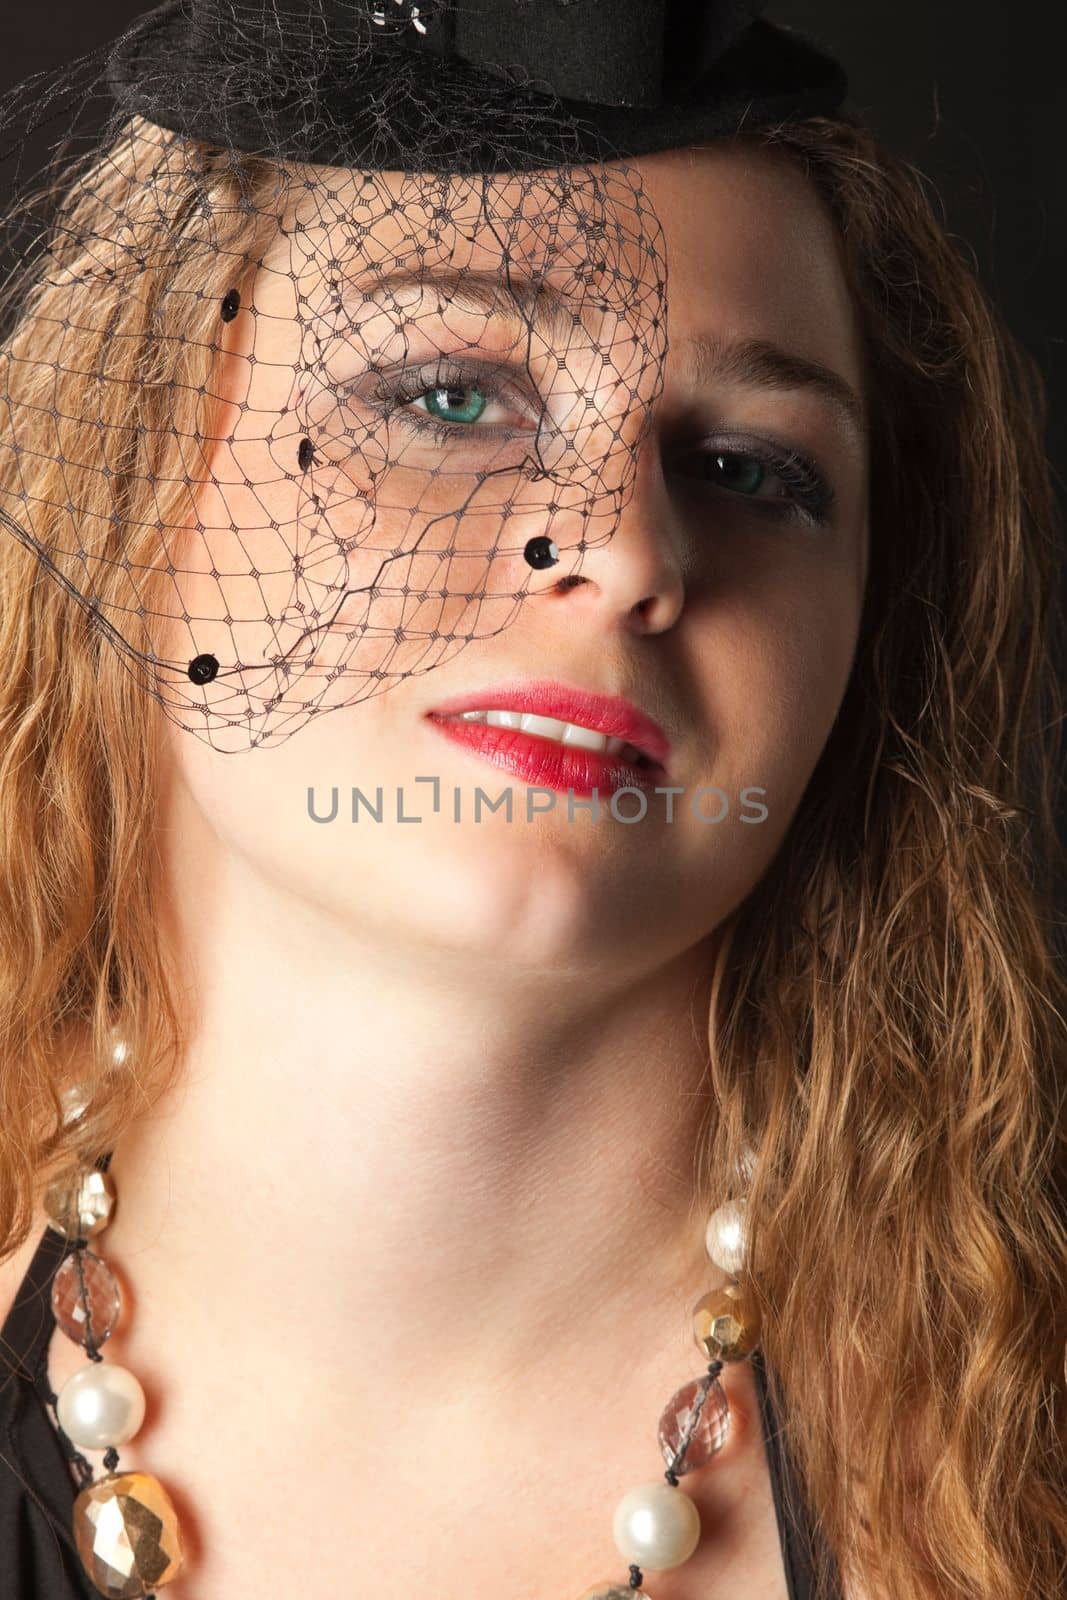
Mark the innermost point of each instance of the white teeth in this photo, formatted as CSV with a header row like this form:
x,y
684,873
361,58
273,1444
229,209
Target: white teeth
x,y
568,733
585,738
544,727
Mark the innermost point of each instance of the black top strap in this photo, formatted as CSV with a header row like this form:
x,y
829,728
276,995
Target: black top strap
x,y
27,1333
38,1555
801,1542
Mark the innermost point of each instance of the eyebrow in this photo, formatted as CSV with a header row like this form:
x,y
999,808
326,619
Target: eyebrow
x,y
541,303
756,362
763,365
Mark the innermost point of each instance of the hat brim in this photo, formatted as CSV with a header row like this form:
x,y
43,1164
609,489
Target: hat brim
x,y
444,114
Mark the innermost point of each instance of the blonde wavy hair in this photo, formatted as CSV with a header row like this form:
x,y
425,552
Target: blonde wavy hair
x,y
887,1005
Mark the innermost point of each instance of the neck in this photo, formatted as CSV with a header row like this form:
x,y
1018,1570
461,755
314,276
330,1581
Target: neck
x,y
367,1143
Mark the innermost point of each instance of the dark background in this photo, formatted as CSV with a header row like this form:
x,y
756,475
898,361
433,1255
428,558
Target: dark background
x,y
966,90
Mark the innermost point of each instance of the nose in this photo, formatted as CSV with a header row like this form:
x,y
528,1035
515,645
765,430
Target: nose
x,y
636,575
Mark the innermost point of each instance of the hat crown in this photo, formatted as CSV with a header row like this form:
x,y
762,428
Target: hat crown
x,y
607,52
639,53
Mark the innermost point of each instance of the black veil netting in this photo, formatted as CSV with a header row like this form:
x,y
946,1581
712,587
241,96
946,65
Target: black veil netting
x,y
331,328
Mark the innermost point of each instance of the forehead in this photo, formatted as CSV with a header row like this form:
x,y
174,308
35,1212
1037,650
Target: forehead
x,y
744,242
753,252
578,231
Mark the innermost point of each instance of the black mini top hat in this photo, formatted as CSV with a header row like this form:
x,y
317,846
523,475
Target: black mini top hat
x,y
466,85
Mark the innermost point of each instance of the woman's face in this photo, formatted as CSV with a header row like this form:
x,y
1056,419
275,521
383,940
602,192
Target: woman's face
x,y
731,477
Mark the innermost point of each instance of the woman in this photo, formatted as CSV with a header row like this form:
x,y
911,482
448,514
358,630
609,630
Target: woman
x,y
416,1124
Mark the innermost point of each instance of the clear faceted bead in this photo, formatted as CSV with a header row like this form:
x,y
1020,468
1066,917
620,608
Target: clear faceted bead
x,y
74,1100
698,1415
127,1534
81,1205
85,1298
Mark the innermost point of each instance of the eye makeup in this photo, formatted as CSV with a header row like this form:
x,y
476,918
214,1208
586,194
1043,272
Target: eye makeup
x,y
734,464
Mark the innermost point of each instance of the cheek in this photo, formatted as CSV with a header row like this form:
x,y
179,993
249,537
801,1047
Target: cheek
x,y
775,671
252,808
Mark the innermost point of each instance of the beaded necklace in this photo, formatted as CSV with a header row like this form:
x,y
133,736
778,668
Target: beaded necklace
x,y
126,1529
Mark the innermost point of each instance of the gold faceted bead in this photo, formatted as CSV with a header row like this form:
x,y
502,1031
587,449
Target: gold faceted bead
x,y
80,1206
726,1322
127,1534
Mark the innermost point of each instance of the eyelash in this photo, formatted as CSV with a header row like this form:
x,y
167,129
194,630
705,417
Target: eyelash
x,y
810,495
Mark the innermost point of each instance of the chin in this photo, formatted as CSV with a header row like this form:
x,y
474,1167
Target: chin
x,y
498,892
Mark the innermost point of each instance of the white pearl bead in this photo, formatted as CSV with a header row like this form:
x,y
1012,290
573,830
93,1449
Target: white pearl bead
x,y
657,1525
725,1237
101,1405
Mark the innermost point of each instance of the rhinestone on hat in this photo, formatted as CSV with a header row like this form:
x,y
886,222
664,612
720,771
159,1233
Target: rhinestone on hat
x,y
378,15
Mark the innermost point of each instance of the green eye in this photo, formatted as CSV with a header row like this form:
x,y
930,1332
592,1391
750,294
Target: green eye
x,y
744,474
447,404
779,482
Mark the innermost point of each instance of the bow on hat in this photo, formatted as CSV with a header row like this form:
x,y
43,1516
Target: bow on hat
x,y
607,52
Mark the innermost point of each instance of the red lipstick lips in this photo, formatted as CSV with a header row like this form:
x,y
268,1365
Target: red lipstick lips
x,y
541,760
